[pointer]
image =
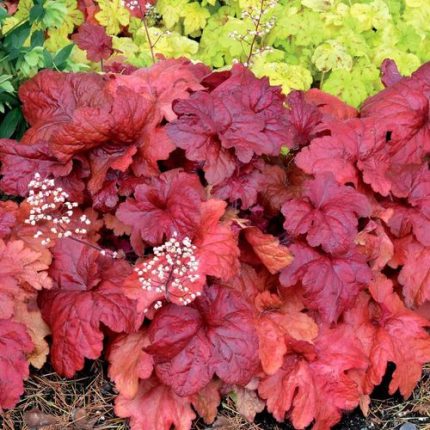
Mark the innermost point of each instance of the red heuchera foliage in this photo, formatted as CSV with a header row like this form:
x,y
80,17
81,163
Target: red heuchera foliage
x,y
15,344
87,292
327,214
169,203
357,143
313,372
330,282
227,126
292,280
215,335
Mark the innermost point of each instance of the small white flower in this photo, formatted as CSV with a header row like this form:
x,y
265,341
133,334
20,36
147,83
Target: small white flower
x,y
174,262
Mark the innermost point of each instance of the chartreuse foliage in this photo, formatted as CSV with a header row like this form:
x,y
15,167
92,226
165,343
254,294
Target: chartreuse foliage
x,y
159,227
336,44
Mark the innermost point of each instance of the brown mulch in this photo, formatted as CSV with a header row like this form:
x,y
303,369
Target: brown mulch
x,y
86,403
53,403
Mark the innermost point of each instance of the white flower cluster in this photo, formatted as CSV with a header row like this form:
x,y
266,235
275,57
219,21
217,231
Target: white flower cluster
x,y
262,26
257,15
172,269
50,207
134,4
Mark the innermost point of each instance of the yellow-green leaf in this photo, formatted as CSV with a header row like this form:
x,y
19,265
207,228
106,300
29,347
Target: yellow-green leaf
x,y
290,77
331,55
112,15
195,17
318,5
171,10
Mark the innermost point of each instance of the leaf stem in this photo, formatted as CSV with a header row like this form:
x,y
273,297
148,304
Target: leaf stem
x,y
322,79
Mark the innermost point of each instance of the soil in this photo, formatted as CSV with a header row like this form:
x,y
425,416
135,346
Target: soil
x,y
353,421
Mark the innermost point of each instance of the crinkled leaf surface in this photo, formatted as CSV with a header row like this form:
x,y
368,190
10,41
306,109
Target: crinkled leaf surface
x,y
313,383
87,293
390,332
327,213
331,284
168,204
215,335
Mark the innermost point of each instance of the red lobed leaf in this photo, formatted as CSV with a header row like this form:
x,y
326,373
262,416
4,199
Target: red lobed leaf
x,y
217,249
331,283
207,400
155,407
87,293
159,86
243,185
415,273
21,272
331,106
390,73
20,163
376,245
275,188
276,329
164,82
15,343
168,204
249,282
196,131
273,255
50,100
411,182
89,9
327,213
129,362
313,383
93,39
8,218
303,120
241,117
390,332
215,335
250,102
353,146
28,314
402,110
79,112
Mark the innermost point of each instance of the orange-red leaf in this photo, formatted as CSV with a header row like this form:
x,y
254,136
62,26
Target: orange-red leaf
x,y
155,407
267,247
129,363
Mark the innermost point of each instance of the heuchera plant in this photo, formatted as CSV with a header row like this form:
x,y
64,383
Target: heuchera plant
x,y
160,226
